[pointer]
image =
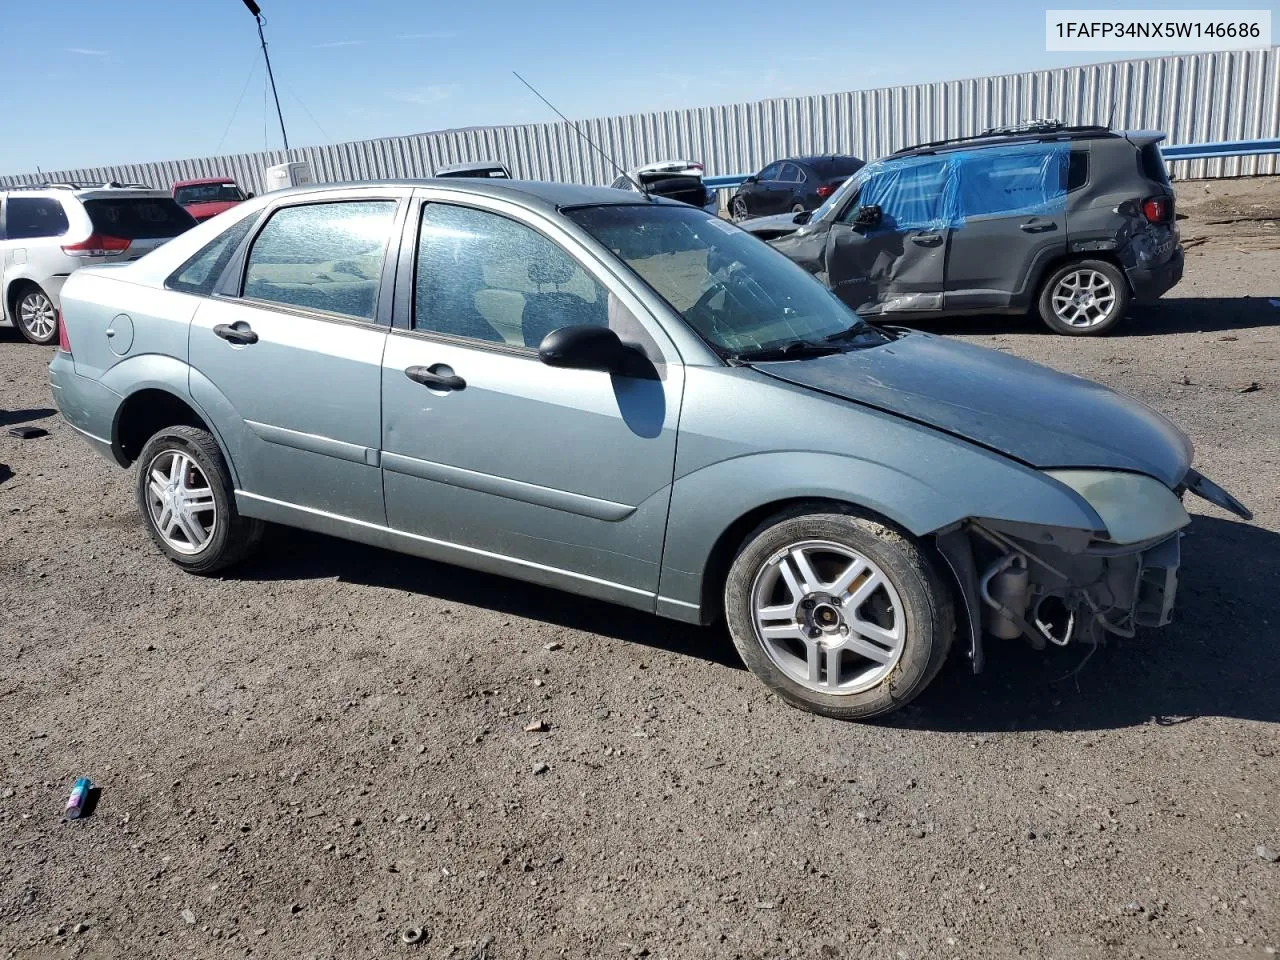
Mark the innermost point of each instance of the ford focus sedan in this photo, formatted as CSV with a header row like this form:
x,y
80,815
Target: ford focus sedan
x,y
628,399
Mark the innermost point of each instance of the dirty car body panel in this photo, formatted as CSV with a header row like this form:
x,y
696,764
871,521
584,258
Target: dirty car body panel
x,y
396,388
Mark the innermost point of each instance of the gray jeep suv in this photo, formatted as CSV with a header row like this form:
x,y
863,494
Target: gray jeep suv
x,y
1073,222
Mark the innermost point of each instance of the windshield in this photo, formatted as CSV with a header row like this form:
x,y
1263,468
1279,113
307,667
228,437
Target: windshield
x,y
738,294
208,193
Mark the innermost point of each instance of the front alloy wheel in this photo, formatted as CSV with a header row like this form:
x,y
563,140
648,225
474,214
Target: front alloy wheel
x,y
838,614
37,317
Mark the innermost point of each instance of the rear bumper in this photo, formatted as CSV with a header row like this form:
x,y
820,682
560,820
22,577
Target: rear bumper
x,y
1150,283
88,406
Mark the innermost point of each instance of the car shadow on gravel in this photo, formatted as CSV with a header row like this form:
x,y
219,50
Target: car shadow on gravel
x,y
1173,315
291,554
1219,658
9,418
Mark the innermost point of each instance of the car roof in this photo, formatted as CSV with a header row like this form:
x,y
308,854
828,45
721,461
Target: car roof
x,y
531,193
1034,132
201,181
83,191
818,158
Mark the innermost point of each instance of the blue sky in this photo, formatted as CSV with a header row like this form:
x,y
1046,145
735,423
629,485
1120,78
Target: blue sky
x,y
134,80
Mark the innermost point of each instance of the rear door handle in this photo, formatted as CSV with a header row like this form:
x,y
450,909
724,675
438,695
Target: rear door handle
x,y
239,332
1038,226
428,377
926,239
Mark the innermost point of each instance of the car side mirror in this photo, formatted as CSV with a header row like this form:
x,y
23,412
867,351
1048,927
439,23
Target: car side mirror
x,y
585,347
249,196
867,216
802,217
752,179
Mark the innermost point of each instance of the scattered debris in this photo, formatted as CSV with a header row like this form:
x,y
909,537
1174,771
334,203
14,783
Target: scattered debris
x,y
553,645
1133,908
412,935
1249,387
1186,380
538,682
79,798
27,433
537,726
541,768
80,927
189,916
1229,337
1267,853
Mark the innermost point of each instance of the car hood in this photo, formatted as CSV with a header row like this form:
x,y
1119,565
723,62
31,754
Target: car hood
x,y
203,211
778,223
1020,409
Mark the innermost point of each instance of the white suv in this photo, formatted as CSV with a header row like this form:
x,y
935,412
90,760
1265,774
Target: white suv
x,y
47,232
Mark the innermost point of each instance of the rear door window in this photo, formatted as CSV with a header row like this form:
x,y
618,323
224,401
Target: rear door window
x,y
28,218
138,218
770,172
322,256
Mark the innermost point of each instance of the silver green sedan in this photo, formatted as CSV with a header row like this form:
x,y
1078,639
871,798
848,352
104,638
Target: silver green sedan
x,y
628,399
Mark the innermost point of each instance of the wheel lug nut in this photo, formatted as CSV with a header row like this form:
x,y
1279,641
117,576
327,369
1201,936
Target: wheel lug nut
x,y
815,633
808,603
844,629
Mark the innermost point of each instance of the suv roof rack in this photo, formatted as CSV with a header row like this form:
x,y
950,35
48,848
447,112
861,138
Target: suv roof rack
x,y
81,185
1031,130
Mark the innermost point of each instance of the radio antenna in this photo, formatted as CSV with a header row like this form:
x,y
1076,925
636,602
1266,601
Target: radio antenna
x,y
613,163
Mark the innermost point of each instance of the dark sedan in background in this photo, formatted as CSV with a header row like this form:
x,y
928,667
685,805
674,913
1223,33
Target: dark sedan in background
x,y
793,185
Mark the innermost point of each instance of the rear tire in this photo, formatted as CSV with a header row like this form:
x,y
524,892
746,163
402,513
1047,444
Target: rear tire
x,y
739,210
849,650
35,315
1086,298
187,501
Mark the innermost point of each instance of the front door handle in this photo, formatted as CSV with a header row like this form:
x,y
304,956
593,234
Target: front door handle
x,y
1037,226
428,377
926,239
239,332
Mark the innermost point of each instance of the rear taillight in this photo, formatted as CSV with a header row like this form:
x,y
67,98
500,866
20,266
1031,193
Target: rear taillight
x,y
1158,209
97,245
826,190
64,342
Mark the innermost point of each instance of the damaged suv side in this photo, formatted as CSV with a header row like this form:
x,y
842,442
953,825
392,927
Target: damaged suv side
x,y
1073,222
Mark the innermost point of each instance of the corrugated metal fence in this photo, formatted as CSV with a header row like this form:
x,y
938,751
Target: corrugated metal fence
x,y
1194,99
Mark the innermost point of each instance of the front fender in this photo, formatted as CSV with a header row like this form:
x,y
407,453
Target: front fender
x,y
963,482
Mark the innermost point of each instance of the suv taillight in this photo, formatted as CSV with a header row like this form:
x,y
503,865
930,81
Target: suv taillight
x,y
64,342
97,245
826,190
1158,209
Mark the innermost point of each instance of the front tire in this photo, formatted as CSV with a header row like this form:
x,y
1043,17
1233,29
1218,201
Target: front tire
x,y
838,614
739,210
1084,299
35,316
186,498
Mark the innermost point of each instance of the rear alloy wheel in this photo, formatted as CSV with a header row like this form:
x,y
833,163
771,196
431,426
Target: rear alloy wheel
x,y
839,615
1082,299
37,317
185,496
797,208
739,210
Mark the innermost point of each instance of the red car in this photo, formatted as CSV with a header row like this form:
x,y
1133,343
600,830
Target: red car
x,y
208,197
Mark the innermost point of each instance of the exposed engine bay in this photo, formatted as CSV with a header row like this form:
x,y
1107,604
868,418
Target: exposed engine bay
x,y
1053,586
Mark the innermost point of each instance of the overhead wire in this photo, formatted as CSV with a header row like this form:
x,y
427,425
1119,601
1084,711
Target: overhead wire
x,y
253,68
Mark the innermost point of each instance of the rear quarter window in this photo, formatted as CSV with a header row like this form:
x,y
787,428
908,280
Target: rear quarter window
x,y
138,218
1152,163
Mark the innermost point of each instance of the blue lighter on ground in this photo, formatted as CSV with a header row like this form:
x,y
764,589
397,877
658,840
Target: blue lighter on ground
x,y
79,797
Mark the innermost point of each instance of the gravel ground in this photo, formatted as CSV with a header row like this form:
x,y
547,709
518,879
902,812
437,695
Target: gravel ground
x,y
338,743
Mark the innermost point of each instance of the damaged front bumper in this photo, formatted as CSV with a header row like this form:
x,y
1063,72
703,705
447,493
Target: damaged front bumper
x,y
1050,585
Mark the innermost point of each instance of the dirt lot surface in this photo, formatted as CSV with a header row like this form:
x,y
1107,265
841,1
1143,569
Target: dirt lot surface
x,y
305,758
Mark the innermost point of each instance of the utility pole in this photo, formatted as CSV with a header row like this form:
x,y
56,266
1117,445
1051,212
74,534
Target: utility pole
x,y
257,15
